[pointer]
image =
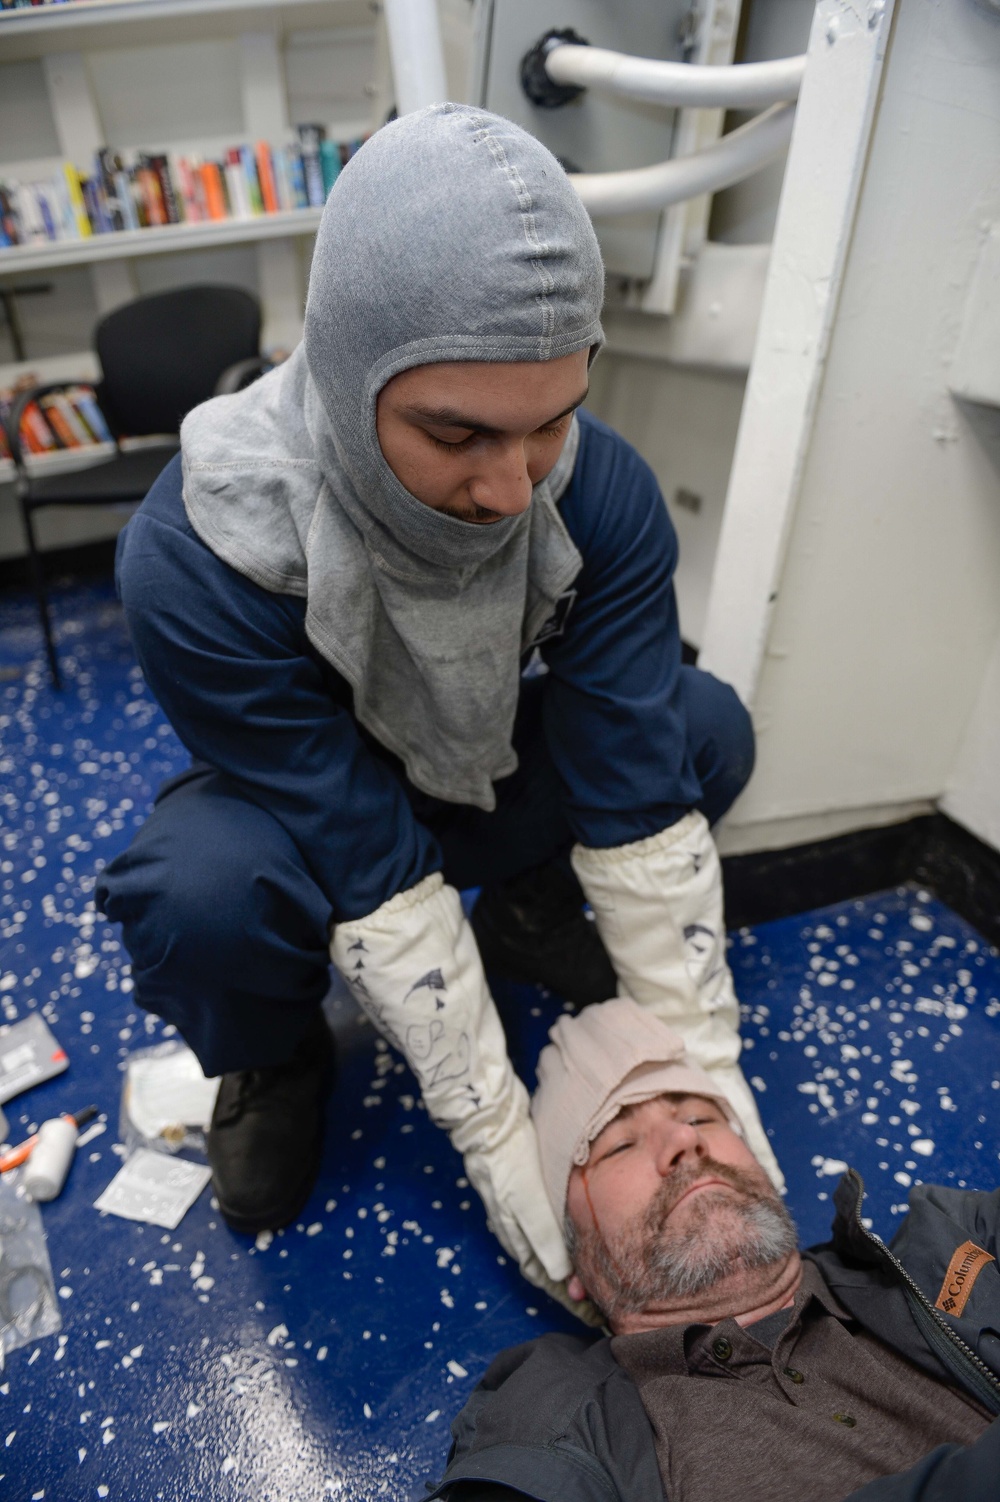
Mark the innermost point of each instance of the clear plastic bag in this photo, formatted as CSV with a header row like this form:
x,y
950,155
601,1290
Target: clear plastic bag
x,y
166,1101
28,1305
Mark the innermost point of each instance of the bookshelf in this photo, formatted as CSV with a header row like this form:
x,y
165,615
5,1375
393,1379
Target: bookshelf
x,y
257,47
133,75
155,241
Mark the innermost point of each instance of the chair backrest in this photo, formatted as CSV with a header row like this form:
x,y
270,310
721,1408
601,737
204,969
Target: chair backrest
x,y
161,355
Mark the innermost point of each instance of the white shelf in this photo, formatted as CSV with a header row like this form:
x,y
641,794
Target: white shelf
x,y
124,244
36,30
57,461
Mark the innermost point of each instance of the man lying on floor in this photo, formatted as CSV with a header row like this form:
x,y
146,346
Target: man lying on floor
x,y
736,1366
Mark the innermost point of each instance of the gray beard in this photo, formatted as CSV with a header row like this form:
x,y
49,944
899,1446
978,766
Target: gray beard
x,y
651,1262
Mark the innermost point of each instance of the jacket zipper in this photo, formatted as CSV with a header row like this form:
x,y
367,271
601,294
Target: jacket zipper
x,y
935,1328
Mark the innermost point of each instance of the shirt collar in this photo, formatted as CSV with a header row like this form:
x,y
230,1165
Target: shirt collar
x,y
678,1350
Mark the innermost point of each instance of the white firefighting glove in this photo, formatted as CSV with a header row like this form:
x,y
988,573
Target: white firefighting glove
x,y
658,907
414,967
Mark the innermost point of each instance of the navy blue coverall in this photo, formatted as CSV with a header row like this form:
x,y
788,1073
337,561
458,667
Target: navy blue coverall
x,y
293,817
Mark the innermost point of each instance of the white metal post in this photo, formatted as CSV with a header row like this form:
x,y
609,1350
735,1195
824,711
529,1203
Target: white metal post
x,y
417,55
815,218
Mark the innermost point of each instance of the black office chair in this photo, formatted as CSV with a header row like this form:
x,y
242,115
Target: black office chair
x,y
160,356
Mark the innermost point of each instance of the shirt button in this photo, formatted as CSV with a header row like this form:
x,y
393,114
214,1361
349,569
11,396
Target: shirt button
x,y
721,1349
845,1419
793,1375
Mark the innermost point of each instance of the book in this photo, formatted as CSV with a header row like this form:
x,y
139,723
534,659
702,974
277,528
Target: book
x,y
297,176
282,180
168,194
249,166
59,420
265,176
107,165
329,156
152,194
36,435
236,183
311,136
125,188
215,198
86,404
180,173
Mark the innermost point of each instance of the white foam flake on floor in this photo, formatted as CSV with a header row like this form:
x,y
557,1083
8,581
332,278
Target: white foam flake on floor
x,y
862,1071
829,1167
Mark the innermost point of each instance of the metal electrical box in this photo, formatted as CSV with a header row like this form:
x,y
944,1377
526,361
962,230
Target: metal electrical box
x,y
594,133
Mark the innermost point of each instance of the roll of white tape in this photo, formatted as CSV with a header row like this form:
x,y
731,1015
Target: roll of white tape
x,y
46,1169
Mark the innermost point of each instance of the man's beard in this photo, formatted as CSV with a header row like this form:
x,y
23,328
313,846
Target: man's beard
x,y
652,1262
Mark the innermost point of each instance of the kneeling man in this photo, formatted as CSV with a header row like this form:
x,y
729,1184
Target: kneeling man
x,y
736,1365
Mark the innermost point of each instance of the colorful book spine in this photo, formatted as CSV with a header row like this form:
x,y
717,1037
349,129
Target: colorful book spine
x,y
265,176
329,156
160,188
211,179
86,404
125,192
152,193
186,183
168,193
107,167
282,182
72,178
249,165
236,184
297,174
311,137
64,421
36,435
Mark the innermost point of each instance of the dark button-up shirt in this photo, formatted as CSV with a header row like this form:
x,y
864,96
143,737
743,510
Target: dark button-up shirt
x,y
805,1407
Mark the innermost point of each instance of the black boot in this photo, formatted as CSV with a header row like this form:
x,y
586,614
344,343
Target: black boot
x,y
534,929
266,1137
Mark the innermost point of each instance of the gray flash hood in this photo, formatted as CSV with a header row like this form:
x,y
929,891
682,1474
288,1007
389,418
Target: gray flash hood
x,y
451,235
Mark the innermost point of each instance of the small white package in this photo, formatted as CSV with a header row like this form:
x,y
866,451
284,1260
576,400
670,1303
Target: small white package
x,y
167,1101
29,1054
154,1188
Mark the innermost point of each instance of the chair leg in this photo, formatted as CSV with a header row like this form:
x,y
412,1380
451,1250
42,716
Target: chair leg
x,y
38,581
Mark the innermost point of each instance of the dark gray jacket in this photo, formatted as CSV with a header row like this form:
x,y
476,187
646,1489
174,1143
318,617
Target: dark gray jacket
x,y
558,1420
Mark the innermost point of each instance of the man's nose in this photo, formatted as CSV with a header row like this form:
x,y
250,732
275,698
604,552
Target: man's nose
x,y
503,484
678,1142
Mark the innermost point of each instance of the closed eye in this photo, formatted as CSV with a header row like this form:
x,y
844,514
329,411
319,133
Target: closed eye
x,y
619,1147
458,444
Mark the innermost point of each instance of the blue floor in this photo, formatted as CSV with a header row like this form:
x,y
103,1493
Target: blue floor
x,y
198,1364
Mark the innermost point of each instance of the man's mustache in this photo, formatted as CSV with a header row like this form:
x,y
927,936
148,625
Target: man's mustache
x,y
674,1188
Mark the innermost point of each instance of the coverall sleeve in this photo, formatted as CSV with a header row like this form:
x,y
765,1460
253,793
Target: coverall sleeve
x,y
614,713
231,667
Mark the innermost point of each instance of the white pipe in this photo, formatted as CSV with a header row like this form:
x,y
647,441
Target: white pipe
x,y
416,54
739,86
737,155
